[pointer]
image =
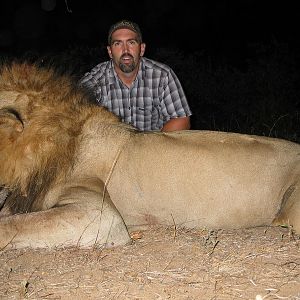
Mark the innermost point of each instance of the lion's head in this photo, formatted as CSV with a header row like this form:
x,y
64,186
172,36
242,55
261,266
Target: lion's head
x,y
41,114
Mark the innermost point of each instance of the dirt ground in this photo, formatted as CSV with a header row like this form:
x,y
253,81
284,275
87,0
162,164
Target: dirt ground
x,y
162,263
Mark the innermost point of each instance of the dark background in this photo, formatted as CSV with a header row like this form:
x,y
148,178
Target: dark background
x,y
223,27
238,60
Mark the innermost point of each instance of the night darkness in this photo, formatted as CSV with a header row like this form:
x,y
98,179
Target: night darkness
x,y
238,60
224,26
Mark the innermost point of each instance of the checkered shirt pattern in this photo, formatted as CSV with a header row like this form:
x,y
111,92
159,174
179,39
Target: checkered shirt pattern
x,y
155,96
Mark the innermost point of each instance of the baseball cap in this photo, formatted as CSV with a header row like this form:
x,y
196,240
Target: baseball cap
x,y
125,24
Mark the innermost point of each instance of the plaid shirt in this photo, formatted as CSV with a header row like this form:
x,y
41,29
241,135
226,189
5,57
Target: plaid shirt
x,y
155,97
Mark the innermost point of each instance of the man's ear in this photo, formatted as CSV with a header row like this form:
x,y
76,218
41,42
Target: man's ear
x,y
143,48
109,51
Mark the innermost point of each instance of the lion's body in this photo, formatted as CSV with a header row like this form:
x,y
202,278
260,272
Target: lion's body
x,y
203,179
57,152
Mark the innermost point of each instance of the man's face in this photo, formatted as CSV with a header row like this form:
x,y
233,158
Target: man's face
x,y
125,50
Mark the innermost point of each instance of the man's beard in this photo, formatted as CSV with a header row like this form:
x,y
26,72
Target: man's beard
x,y
125,67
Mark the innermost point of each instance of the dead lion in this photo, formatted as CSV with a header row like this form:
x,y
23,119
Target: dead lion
x,y
72,174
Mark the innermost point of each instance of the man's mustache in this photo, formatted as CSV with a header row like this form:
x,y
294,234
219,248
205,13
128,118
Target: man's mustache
x,y
126,54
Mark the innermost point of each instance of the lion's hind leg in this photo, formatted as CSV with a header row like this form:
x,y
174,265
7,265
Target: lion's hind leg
x,y
289,213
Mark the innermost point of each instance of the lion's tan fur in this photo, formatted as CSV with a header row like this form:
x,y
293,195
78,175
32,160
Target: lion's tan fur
x,y
61,156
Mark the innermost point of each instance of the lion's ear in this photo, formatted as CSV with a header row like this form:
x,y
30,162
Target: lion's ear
x,y
10,121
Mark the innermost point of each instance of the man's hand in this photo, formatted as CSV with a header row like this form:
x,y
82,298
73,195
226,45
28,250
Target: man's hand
x,y
177,124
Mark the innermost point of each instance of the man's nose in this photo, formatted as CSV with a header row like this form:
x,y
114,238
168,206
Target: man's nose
x,y
125,48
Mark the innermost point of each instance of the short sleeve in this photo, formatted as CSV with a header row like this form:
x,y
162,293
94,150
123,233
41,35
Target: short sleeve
x,y
173,100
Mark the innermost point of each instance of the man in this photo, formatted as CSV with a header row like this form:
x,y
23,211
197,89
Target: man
x,y
144,93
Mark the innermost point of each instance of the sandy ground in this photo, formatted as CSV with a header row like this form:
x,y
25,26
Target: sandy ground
x,y
162,263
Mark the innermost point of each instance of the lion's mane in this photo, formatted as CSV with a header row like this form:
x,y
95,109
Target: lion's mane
x,y
38,138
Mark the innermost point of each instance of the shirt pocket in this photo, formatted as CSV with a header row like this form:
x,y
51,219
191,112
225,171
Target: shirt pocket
x,y
144,105
146,101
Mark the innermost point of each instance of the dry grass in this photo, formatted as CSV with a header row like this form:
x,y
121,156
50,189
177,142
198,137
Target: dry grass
x,y
162,263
